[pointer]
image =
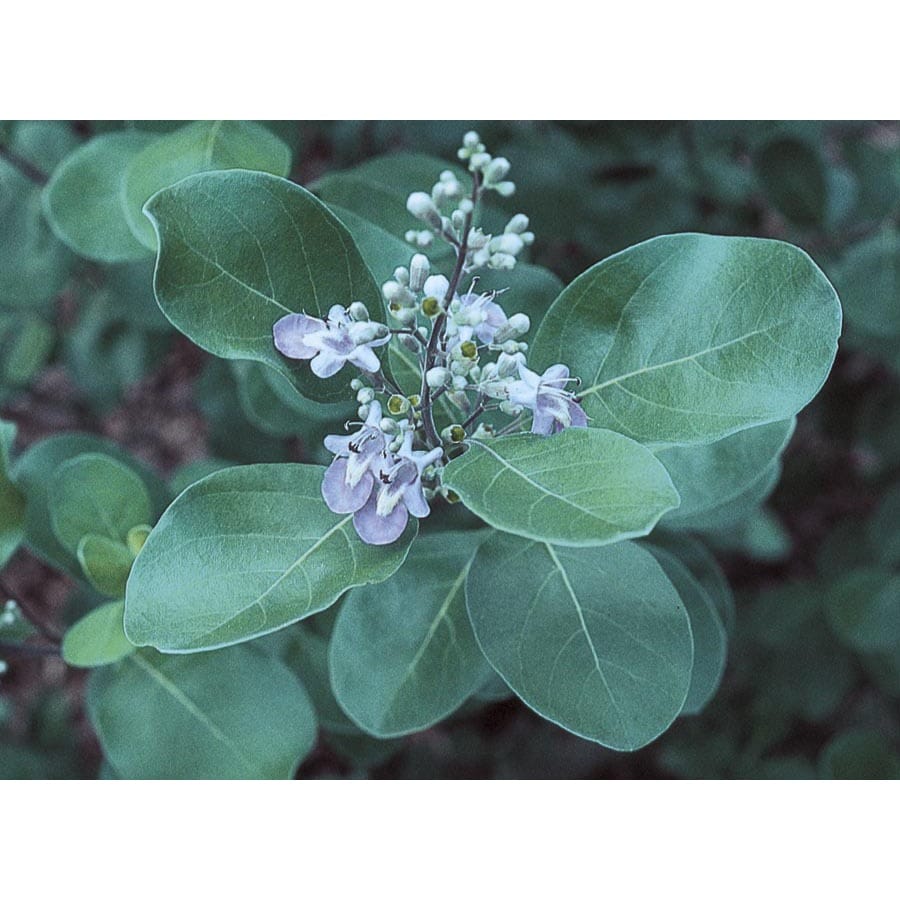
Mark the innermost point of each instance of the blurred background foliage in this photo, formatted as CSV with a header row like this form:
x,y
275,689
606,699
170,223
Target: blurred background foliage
x,y
812,685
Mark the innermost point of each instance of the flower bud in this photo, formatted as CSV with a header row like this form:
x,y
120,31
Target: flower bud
x,y
459,383
466,206
471,139
363,411
507,243
505,188
365,395
437,377
388,426
458,219
502,261
357,384
516,325
496,170
422,207
366,332
479,161
424,239
508,363
358,312
401,274
403,315
419,268
517,224
408,342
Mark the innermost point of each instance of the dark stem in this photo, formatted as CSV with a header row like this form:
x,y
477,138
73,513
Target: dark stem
x,y
23,166
32,650
476,413
437,330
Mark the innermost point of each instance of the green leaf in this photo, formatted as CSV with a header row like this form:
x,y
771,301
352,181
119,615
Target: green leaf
x,y
582,487
236,713
860,754
688,338
377,190
96,494
83,201
256,549
98,639
26,342
12,502
710,476
596,640
402,654
34,265
793,175
33,474
197,147
707,628
863,609
869,281
106,563
239,250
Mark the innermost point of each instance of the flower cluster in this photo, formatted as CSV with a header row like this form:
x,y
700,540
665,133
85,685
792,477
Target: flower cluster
x,y
469,353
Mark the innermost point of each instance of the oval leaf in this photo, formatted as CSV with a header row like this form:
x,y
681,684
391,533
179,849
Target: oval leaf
x,y
96,494
863,609
83,199
688,338
106,563
596,640
402,654
245,552
239,250
197,147
236,713
98,639
583,487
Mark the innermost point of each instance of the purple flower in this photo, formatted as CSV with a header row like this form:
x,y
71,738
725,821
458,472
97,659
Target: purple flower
x,y
546,396
386,512
331,342
350,479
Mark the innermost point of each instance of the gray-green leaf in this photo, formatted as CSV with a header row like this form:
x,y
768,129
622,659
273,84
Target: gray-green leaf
x,y
402,654
236,713
83,201
245,552
688,338
98,638
596,640
239,250
582,487
197,147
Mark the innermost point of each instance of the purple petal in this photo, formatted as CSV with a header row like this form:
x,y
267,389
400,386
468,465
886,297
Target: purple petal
x,y
376,529
327,364
543,422
579,417
338,444
290,332
339,496
556,376
414,498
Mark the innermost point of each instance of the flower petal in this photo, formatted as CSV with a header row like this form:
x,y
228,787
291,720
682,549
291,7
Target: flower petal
x,y
327,364
339,496
290,333
543,422
579,416
556,376
414,498
376,529
364,358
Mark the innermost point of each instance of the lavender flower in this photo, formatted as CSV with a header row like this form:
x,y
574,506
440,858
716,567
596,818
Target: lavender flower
x,y
332,342
385,514
350,479
553,406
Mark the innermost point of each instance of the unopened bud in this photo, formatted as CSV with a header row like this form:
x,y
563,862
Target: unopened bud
x,y
466,206
517,224
471,139
459,382
458,219
363,411
479,161
496,170
365,395
422,207
403,314
357,384
437,377
419,268
358,312
517,325
388,426
408,342
502,261
401,274
366,332
505,188
507,243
